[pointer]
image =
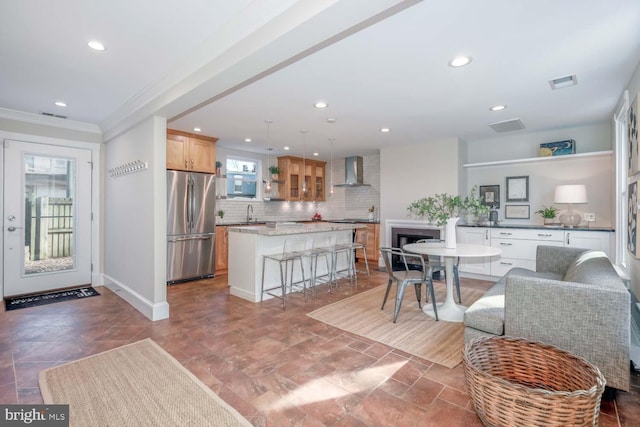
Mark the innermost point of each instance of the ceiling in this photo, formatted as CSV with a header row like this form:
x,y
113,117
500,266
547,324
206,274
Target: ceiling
x,y
226,67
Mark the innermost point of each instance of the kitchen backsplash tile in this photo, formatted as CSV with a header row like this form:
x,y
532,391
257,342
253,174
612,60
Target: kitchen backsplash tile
x,y
347,202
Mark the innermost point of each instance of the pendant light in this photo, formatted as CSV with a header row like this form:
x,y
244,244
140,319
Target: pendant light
x,y
304,166
331,166
267,186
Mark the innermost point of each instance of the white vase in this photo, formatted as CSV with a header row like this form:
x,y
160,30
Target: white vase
x,y
450,233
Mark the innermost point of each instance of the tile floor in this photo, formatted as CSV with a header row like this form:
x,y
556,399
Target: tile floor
x,y
275,367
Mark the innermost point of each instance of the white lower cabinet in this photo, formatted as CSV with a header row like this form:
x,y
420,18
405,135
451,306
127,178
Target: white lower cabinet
x,y
475,236
596,240
519,246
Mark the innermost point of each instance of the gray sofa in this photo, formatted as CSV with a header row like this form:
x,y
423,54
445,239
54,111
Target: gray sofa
x,y
574,300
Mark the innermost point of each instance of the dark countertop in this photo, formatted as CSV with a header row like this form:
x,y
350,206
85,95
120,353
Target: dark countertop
x,y
339,221
541,227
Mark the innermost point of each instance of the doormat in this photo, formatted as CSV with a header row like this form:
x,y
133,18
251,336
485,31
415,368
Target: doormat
x,y
48,298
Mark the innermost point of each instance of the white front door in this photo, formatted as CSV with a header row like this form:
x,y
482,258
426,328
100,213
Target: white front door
x,y
47,217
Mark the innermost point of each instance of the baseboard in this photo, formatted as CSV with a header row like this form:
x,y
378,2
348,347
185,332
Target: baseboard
x,y
153,311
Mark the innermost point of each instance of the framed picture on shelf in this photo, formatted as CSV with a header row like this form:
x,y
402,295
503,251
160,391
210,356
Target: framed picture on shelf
x,y
558,148
517,189
517,211
490,195
632,137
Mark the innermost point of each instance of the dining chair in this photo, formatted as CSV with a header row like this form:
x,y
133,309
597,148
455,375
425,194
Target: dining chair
x,y
352,246
405,277
436,263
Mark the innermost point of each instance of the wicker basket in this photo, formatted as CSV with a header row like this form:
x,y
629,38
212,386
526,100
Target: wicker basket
x,y
515,382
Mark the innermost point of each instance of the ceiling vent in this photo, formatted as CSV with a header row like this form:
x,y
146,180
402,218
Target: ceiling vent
x,y
53,115
507,125
565,81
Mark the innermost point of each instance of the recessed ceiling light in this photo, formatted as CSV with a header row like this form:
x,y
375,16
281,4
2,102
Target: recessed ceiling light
x,y
385,130
96,45
498,107
197,130
316,154
321,104
61,103
460,61
286,147
247,140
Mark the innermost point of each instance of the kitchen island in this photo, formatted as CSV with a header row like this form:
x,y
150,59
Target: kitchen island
x,y
247,244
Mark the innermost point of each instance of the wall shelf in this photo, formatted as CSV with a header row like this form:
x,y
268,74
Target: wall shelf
x,y
539,159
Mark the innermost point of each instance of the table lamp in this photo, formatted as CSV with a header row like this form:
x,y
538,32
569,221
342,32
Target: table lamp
x,y
570,194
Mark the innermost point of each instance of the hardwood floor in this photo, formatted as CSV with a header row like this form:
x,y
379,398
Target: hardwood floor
x,y
275,367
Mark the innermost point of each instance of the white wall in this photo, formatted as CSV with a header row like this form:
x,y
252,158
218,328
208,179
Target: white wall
x,y
410,172
135,219
596,173
522,144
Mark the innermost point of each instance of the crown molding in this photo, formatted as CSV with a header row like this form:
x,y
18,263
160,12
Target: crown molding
x,y
37,119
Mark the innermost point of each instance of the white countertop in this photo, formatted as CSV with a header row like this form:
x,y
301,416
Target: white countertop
x,y
298,228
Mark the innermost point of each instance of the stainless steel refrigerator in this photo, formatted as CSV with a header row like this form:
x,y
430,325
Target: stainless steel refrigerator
x,y
191,225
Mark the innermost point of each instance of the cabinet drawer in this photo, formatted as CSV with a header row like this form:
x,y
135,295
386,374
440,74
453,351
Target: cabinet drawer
x,y
539,235
502,265
521,249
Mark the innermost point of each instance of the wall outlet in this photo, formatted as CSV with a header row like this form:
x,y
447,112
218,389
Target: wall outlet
x,y
589,217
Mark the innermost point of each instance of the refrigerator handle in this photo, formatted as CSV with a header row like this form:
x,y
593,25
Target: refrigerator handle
x,y
190,204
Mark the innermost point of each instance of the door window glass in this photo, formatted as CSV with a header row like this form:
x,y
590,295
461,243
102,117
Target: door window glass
x,y
49,214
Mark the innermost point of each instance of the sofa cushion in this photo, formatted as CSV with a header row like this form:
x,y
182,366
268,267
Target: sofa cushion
x,y
487,314
591,267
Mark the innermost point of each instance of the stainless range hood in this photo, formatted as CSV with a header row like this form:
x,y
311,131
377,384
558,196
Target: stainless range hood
x,y
352,172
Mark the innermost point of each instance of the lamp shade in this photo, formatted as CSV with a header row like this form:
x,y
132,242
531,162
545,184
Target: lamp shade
x,y
570,194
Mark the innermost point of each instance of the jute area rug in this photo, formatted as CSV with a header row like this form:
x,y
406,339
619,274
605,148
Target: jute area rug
x,y
415,333
138,384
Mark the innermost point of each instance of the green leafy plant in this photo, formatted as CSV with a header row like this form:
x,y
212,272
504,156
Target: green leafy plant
x,y
218,164
548,212
472,203
437,209
221,213
274,170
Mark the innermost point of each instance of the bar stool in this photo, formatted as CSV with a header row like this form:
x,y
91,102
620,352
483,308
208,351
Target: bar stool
x,y
292,251
321,246
360,242
344,245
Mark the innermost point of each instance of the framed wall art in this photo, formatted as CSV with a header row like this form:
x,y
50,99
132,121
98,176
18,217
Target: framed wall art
x,y
517,211
517,189
632,137
632,219
490,195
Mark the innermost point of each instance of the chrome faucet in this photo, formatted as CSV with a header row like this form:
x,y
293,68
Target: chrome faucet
x,y
249,212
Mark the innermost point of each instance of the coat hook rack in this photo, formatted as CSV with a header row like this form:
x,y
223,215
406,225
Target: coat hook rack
x,y
128,168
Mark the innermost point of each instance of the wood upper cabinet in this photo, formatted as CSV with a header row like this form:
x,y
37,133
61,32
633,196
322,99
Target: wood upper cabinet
x,y
191,152
299,174
222,249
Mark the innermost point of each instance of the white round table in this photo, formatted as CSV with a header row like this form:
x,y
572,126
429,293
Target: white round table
x,y
449,310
